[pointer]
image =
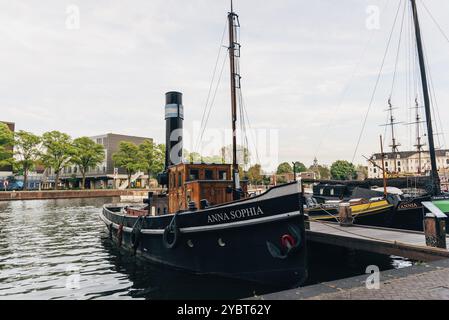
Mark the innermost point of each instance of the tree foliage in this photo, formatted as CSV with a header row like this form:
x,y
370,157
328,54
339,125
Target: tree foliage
x,y
58,151
343,170
128,158
300,167
255,174
6,144
86,154
152,158
284,167
27,150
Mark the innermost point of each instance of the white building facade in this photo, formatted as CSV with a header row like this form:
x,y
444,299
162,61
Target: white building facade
x,y
407,163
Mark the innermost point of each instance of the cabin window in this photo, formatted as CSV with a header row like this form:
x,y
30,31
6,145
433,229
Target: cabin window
x,y
332,192
222,175
321,191
209,175
194,174
179,179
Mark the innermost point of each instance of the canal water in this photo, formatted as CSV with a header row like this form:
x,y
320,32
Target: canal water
x,y
59,249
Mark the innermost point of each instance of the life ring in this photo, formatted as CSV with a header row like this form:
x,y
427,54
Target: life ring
x,y
290,243
172,228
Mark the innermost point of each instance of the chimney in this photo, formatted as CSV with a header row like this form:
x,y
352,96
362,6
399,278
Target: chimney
x,y
174,117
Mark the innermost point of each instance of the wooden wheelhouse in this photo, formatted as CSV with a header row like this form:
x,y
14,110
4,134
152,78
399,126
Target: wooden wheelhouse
x,y
189,183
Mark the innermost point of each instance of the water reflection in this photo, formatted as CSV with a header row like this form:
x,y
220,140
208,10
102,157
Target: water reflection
x,y
59,249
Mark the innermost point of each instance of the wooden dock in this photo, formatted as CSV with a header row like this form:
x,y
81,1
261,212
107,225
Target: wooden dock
x,y
403,243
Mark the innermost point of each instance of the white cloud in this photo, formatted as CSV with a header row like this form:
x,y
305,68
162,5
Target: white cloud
x,y
297,60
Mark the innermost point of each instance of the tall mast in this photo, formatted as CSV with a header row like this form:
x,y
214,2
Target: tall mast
x,y
434,174
419,145
394,144
233,24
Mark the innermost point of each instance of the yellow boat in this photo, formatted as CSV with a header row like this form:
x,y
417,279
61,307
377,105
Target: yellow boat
x,y
374,212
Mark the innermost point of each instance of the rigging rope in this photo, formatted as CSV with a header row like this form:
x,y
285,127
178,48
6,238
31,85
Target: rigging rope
x,y
398,51
346,90
436,22
211,83
377,83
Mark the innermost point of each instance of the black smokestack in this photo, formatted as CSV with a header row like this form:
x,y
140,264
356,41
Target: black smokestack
x,y
174,117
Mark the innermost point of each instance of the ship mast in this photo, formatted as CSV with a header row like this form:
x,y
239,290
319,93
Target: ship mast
x,y
434,173
419,145
394,144
233,24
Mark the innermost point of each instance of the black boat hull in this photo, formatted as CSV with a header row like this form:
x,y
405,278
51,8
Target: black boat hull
x,y
238,249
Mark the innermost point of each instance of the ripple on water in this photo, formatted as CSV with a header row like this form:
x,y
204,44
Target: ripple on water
x,y
58,249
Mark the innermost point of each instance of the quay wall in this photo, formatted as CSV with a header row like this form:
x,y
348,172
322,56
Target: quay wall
x,y
69,194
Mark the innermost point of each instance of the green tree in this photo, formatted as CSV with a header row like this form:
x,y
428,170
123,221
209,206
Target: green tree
x,y
6,145
284,167
343,170
86,154
322,172
58,152
27,151
255,174
300,167
128,158
152,158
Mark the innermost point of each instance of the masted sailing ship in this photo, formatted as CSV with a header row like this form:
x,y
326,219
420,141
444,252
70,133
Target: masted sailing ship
x,y
207,223
386,209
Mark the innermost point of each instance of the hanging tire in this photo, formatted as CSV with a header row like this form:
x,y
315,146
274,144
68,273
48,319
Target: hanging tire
x,y
173,230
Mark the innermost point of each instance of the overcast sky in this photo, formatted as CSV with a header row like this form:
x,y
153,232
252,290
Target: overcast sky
x,y
308,68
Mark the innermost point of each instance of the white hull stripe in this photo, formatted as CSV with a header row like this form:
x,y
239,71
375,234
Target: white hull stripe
x,y
213,227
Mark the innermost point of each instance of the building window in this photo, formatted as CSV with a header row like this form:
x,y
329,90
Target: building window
x,y
399,163
99,140
179,179
209,175
375,170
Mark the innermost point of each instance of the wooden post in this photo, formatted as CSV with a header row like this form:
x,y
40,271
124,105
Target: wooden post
x,y
345,214
435,231
434,226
